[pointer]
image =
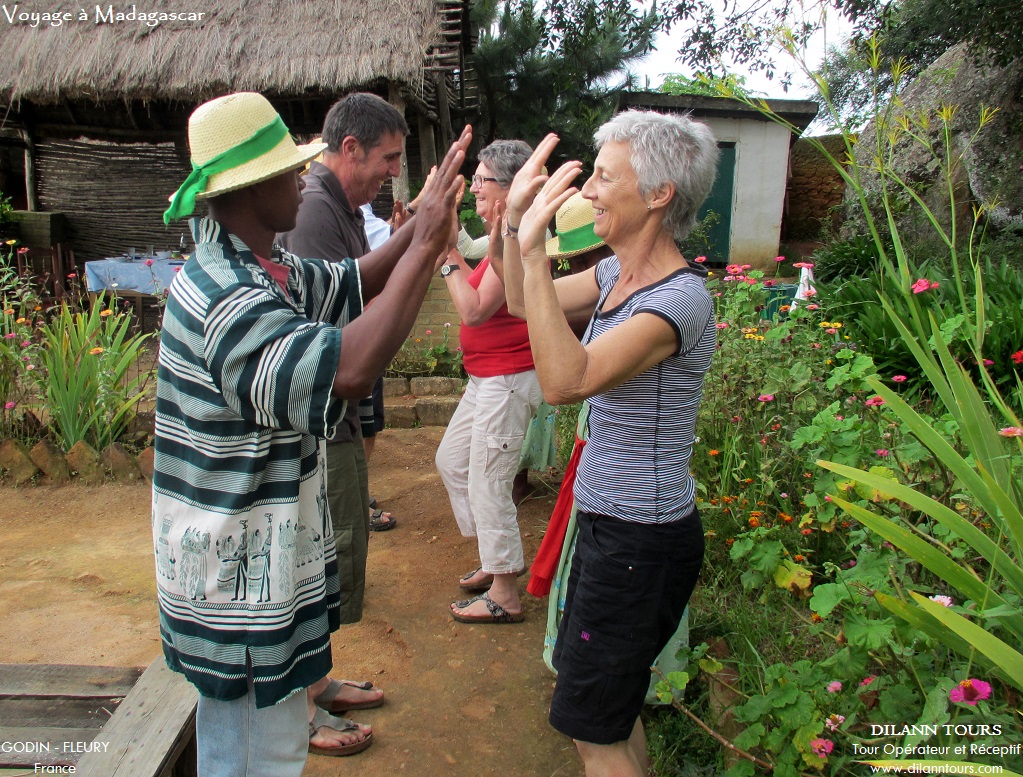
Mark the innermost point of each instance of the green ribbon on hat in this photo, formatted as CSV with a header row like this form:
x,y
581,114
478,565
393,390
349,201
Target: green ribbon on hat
x,y
256,146
577,239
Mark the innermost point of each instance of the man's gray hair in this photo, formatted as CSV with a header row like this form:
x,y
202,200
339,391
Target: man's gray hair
x,y
667,148
505,158
365,117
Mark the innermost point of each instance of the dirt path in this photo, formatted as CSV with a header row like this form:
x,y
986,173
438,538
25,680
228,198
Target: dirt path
x,y
77,587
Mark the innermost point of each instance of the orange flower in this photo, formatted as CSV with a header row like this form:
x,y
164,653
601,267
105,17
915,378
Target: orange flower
x,y
105,313
785,517
799,557
713,452
754,522
95,351
816,618
756,514
729,542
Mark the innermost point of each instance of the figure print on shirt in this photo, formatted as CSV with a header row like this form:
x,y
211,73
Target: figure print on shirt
x,y
164,552
234,563
192,572
286,537
259,562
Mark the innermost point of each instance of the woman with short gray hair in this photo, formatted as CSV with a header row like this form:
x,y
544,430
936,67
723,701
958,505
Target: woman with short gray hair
x,y
479,455
650,336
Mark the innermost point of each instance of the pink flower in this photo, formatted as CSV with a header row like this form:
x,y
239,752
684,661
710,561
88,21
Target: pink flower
x,y
721,325
1011,431
945,601
970,692
801,265
429,331
148,263
811,292
834,721
783,495
813,306
821,747
922,285
700,259
10,335
447,324
779,258
867,680
765,398
899,378
25,343
734,269
770,284
9,406
815,346
988,362
874,401
736,419
1017,357
834,686
831,331
883,452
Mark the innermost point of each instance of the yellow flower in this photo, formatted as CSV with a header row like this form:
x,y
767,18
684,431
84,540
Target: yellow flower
x,y
825,324
828,361
758,337
749,337
836,324
11,242
749,330
105,313
21,320
96,351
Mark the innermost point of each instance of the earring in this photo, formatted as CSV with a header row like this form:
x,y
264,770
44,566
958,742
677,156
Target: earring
x,y
648,207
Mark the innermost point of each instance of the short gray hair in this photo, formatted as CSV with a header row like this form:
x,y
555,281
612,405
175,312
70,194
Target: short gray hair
x,y
505,158
667,148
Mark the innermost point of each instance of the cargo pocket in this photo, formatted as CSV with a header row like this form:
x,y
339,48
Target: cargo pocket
x,y
503,453
609,673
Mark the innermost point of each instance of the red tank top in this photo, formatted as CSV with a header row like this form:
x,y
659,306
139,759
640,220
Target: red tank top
x,y
498,346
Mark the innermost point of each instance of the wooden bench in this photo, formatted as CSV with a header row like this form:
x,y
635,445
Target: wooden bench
x,y
103,721
50,713
152,734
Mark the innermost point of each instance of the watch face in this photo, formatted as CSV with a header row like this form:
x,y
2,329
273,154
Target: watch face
x,y
447,269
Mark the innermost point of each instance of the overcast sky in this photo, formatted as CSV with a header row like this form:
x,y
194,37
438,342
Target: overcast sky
x,y
664,60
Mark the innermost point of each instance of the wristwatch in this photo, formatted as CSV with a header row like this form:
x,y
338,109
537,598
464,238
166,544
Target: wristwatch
x,y
447,269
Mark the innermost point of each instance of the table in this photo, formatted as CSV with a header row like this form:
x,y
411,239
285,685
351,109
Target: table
x,y
142,276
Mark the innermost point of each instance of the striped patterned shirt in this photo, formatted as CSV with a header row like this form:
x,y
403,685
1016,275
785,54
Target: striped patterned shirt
x,y
635,466
245,560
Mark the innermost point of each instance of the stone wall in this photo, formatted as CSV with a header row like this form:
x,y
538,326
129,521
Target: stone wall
x,y
815,190
437,310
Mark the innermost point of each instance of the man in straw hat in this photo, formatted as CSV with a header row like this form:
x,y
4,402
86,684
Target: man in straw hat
x,y
254,372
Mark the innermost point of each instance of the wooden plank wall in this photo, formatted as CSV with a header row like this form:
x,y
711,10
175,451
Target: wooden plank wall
x,y
113,194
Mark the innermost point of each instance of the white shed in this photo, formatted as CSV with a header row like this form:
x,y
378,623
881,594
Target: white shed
x,y
749,193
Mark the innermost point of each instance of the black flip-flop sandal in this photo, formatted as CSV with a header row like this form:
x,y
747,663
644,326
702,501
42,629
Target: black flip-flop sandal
x,y
377,522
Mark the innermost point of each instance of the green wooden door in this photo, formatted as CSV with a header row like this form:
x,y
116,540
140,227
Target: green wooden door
x,y
715,235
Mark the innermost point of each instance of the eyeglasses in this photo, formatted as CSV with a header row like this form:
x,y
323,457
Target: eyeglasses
x,y
479,180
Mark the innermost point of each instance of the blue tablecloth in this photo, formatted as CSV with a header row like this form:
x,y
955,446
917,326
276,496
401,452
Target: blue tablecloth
x,y
154,278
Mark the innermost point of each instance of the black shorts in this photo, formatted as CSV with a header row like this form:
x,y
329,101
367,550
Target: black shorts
x,y
627,590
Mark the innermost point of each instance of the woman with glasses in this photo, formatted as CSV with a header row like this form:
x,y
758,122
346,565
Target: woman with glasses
x,y
479,455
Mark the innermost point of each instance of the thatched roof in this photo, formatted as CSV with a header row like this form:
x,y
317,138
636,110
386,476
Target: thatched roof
x,y
278,47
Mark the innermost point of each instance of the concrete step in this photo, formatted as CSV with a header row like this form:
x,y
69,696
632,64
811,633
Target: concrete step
x,y
420,401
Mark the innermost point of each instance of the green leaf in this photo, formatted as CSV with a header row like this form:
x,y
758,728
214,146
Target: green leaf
x,y
741,768
792,577
1003,656
750,737
871,633
898,702
827,596
797,714
872,494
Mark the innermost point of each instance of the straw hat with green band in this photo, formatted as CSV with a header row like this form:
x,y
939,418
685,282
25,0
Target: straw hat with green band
x,y
236,141
574,228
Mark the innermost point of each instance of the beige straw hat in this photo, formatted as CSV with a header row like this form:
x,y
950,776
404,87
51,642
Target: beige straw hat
x,y
236,141
574,227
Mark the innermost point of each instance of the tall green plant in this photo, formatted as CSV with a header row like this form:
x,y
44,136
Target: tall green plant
x,y
985,461
88,358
